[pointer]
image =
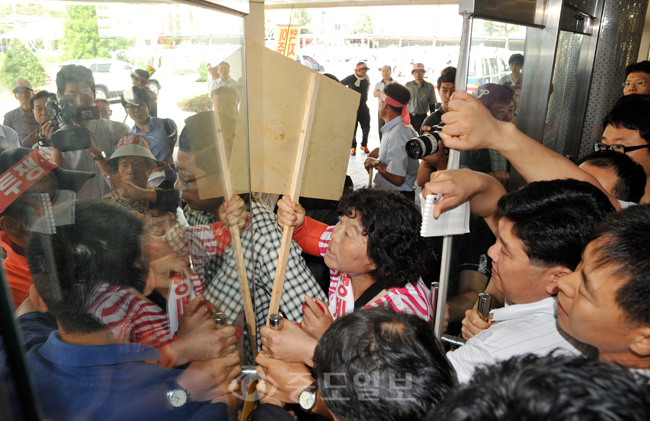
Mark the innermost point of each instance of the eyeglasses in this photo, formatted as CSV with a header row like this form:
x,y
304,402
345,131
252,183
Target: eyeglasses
x,y
618,148
133,107
637,83
185,182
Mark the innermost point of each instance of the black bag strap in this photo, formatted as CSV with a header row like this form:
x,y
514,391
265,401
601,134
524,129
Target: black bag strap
x,y
368,295
171,136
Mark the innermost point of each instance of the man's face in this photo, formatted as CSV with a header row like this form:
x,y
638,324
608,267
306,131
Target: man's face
x,y
386,72
607,177
362,72
626,137
516,67
637,83
503,112
512,272
348,250
135,170
40,112
105,113
81,92
23,95
446,91
187,186
587,308
224,71
418,75
139,113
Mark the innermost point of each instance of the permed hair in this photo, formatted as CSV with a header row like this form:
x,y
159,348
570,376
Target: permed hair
x,y
392,224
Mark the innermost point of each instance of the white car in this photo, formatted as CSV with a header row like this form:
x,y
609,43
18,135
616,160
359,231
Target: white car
x,y
111,76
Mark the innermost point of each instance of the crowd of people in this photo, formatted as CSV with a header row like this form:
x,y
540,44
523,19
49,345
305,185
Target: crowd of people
x,y
124,269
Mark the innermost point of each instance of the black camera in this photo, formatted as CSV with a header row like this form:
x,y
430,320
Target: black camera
x,y
425,145
68,136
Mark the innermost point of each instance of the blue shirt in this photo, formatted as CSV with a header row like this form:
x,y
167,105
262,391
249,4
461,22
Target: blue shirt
x,y
392,152
107,382
158,141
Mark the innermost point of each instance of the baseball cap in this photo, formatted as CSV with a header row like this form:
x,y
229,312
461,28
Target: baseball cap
x,y
418,66
22,83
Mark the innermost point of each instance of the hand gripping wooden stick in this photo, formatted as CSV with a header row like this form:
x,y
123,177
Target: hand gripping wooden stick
x,y
296,183
249,311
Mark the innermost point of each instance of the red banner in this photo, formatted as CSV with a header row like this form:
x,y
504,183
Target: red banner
x,y
24,174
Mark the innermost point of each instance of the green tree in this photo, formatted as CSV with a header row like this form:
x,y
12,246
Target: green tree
x,y
301,17
491,28
363,25
80,34
21,63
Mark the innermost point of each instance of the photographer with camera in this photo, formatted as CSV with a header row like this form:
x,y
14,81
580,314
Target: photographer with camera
x,y
446,88
77,126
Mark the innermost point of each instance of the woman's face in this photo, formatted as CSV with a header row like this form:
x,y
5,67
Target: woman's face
x,y
348,249
135,170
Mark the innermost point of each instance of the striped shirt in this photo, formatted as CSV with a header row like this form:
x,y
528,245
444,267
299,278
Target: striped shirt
x,y
410,299
518,329
130,318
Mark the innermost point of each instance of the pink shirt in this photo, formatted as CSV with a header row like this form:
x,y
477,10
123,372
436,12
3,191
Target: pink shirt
x,y
410,299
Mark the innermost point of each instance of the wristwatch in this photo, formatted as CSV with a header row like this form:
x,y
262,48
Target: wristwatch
x,y
99,157
177,396
307,398
374,164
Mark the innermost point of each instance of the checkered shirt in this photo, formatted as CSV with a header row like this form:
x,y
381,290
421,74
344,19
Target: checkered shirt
x,y
24,124
261,245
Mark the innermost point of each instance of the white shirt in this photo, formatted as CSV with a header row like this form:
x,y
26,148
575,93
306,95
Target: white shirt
x,y
379,86
518,329
8,138
106,134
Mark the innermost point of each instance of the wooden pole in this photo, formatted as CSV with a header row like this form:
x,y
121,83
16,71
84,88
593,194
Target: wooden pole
x,y
249,311
296,183
370,176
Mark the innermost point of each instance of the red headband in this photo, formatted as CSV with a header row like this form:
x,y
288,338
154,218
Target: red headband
x,y
22,175
406,117
136,75
360,67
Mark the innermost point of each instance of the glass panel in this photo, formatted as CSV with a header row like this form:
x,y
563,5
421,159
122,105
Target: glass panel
x,y
492,46
153,235
565,73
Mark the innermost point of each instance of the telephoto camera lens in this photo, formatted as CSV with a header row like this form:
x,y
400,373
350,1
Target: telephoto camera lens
x,y
421,146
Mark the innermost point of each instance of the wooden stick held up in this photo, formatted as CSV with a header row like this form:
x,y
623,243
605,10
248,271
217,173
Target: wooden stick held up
x,y
249,311
296,183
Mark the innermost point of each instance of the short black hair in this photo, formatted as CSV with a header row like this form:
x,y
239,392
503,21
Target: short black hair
x,y
623,243
536,388
74,73
631,112
642,66
447,75
399,93
392,224
631,177
103,245
40,95
516,58
379,364
555,218
139,94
